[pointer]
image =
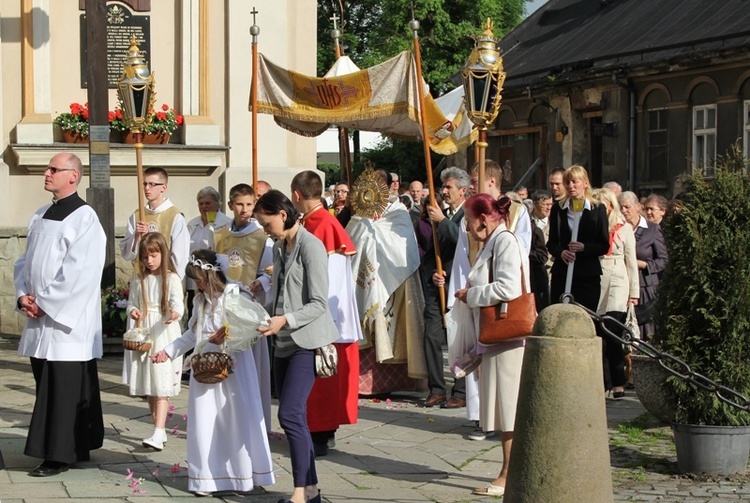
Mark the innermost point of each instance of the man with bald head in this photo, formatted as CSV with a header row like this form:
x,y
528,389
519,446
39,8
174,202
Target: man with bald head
x,y
57,282
415,191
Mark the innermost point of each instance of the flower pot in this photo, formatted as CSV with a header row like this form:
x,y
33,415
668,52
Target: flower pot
x,y
721,450
70,136
652,389
148,139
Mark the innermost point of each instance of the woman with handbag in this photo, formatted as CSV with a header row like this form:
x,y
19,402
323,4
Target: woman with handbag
x,y
498,277
651,255
619,285
302,323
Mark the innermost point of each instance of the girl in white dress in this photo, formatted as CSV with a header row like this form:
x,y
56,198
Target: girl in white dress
x,y
156,301
227,442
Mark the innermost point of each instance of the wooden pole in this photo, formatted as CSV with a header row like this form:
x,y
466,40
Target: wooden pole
x,y
139,166
100,195
482,150
345,160
414,25
254,31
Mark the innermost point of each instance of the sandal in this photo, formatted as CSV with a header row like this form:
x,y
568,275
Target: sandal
x,y
490,490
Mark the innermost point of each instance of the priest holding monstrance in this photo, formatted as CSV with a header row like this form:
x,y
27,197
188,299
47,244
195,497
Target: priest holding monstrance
x,y
388,289
57,282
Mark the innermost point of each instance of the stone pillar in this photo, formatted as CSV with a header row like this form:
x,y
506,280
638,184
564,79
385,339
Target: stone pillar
x,y
561,447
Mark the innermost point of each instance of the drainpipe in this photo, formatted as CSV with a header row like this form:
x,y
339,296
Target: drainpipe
x,y
631,141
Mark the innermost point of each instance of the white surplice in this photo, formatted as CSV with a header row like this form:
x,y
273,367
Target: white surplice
x,y
179,244
227,443
342,299
62,268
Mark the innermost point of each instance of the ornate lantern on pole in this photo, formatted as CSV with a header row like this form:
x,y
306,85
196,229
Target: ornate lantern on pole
x,y
483,78
136,93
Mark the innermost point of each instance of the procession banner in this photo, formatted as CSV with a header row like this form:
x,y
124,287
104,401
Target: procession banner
x,y
382,98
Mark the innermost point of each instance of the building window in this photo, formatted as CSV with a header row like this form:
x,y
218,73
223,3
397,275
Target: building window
x,y
658,145
704,138
746,130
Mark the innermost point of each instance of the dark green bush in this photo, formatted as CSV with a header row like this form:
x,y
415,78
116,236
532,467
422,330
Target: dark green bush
x,y
703,311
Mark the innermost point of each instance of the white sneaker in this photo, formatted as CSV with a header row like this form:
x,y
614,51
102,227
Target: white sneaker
x,y
154,444
478,434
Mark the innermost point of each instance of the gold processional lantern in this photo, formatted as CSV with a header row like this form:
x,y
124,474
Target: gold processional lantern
x,y
483,79
136,94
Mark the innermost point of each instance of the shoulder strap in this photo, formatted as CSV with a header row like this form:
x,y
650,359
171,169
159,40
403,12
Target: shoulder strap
x,y
492,264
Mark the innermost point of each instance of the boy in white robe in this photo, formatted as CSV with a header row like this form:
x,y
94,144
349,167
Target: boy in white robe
x,y
57,282
161,216
245,254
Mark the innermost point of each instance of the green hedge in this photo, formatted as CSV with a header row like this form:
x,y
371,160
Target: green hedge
x,y
703,311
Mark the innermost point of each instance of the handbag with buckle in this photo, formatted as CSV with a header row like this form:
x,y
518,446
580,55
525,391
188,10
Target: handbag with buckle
x,y
507,321
326,361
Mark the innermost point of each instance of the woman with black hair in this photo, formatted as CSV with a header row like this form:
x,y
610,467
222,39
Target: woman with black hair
x,y
301,321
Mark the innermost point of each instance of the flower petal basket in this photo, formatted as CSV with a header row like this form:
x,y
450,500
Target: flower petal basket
x,y
137,339
211,367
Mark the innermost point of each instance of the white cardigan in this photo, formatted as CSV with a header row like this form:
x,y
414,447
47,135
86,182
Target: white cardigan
x,y
507,257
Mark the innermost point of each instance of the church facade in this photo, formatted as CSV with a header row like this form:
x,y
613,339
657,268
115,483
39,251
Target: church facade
x,y
200,53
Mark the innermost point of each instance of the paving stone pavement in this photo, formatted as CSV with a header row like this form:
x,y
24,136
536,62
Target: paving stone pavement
x,y
397,452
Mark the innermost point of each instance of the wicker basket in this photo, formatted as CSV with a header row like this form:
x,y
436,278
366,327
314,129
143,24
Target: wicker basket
x,y
211,367
137,339
143,347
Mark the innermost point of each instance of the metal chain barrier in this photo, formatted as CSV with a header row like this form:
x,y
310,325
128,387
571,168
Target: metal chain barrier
x,y
670,363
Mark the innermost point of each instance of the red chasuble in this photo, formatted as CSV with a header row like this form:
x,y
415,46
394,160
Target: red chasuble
x,y
333,401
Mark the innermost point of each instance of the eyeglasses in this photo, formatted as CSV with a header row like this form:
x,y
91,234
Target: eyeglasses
x,y
654,208
205,266
344,191
151,185
54,170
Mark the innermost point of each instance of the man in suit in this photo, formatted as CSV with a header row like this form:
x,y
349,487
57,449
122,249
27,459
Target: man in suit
x,y
455,184
540,261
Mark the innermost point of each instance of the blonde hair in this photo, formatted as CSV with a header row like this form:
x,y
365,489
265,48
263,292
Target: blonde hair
x,y
578,172
607,197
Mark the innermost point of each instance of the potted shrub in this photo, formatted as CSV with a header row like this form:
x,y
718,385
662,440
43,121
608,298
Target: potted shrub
x,y
163,123
74,125
703,314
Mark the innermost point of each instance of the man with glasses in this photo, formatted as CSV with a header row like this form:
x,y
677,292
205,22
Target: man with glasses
x,y
57,282
540,261
161,216
341,205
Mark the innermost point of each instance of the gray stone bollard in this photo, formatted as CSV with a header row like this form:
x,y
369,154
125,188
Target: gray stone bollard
x,y
560,449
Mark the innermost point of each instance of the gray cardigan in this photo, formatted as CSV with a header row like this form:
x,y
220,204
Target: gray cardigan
x,y
305,291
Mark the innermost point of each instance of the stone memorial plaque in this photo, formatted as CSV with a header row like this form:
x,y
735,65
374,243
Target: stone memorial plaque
x,y
122,23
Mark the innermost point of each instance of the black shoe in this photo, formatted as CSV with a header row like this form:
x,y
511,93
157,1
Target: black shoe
x,y
316,499
49,469
320,449
618,394
630,385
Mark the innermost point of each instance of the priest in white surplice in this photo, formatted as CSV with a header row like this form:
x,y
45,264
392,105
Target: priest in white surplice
x,y
57,282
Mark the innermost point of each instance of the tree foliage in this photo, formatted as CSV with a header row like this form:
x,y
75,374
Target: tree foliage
x,y
703,313
375,30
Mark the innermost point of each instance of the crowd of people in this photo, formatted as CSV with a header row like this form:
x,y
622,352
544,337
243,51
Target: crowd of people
x,y
373,286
